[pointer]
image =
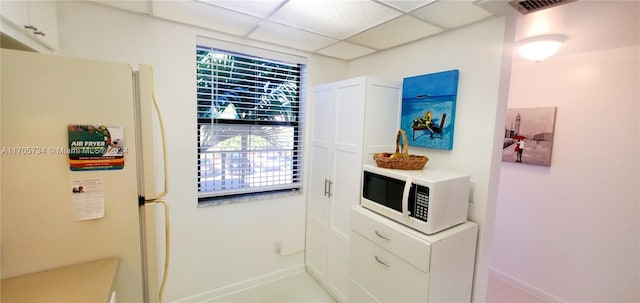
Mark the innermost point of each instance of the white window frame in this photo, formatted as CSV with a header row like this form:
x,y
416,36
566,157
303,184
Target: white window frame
x,y
245,153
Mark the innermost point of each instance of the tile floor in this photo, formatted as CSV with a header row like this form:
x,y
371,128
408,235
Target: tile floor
x,y
499,291
301,288
298,288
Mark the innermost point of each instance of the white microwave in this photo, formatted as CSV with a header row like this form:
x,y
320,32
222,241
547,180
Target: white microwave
x,y
428,200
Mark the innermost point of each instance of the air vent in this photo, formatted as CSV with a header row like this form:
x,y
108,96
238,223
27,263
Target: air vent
x,y
530,6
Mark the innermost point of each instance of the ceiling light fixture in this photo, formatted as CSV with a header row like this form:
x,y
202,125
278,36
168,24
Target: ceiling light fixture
x,y
539,48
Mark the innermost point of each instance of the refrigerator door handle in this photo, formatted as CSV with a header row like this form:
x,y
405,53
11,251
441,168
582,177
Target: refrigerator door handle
x,y
147,105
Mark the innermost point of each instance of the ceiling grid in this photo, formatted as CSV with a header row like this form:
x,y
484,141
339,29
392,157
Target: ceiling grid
x,y
336,28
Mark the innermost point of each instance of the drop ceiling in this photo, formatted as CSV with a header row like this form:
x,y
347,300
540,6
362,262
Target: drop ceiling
x,y
344,29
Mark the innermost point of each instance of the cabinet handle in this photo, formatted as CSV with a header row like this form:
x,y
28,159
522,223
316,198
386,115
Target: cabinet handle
x,y
39,33
382,262
381,236
329,193
31,27
325,187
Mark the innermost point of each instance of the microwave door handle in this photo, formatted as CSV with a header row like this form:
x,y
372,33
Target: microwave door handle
x,y
405,198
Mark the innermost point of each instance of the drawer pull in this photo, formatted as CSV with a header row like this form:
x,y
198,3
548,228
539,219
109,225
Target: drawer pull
x,y
381,236
382,262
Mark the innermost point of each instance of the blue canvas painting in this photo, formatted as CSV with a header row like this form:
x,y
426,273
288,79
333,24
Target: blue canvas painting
x,y
429,108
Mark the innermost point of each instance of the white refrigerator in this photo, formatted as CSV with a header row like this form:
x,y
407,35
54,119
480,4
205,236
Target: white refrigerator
x,y
47,218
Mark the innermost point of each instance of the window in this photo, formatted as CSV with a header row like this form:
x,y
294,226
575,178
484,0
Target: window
x,y
249,124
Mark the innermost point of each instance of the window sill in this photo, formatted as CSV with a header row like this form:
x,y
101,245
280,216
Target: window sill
x,y
214,201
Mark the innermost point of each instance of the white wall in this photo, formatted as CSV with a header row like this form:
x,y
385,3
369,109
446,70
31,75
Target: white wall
x,y
213,249
478,52
219,248
570,231
205,239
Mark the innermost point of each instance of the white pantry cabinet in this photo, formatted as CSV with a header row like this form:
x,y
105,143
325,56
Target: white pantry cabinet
x,y
393,263
32,23
352,119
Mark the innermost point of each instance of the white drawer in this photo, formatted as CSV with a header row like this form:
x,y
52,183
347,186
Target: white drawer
x,y
385,277
392,236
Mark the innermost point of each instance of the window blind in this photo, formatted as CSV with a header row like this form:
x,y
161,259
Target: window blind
x,y
249,126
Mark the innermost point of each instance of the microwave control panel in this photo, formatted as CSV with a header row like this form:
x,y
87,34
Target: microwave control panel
x,y
420,209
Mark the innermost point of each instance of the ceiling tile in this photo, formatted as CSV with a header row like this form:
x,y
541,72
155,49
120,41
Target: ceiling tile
x,y
283,35
133,6
395,32
451,14
258,8
333,18
345,51
406,5
344,29
207,16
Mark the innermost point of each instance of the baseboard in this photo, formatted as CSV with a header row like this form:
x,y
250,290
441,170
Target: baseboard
x,y
547,297
243,285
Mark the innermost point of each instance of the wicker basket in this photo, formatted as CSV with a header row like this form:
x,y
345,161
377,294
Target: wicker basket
x,y
400,160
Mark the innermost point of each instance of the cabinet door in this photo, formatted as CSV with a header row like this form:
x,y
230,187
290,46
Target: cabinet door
x,y
39,16
14,12
43,15
319,177
347,163
347,170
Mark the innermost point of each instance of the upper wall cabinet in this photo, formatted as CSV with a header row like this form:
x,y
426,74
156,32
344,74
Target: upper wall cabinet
x,y
33,23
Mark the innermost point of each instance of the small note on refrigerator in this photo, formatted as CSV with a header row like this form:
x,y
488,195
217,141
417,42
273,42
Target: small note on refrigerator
x,y
88,199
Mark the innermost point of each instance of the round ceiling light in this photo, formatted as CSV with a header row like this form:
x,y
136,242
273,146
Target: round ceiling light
x,y
539,48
